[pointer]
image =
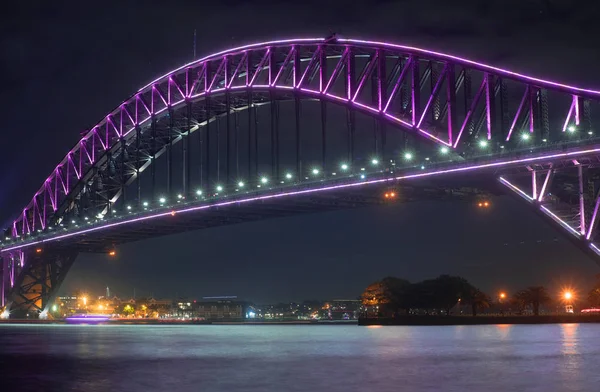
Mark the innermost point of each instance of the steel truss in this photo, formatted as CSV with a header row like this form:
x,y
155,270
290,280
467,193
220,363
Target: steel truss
x,y
477,116
426,94
30,281
566,192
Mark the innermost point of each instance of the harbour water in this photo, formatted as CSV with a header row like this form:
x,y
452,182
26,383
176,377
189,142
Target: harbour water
x,y
89,358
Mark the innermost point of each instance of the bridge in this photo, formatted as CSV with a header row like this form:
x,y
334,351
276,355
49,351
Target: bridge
x,y
298,126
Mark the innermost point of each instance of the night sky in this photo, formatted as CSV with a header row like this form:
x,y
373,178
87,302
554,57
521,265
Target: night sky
x,y
63,67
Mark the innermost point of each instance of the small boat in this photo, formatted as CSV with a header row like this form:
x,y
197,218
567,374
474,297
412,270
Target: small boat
x,y
87,318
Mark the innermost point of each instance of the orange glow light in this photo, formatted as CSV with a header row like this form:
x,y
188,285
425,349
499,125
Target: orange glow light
x,y
486,204
172,213
393,194
502,295
112,253
480,204
38,250
387,195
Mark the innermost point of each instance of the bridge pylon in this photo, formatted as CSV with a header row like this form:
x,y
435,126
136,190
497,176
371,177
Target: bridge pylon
x,y
31,279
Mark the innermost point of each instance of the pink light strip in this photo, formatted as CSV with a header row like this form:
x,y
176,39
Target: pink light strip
x,y
260,66
518,113
398,83
546,180
309,191
564,129
365,76
470,112
433,95
593,221
560,221
289,56
516,189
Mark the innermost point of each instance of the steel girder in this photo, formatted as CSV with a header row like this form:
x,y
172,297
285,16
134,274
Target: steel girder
x,y
565,192
426,94
31,279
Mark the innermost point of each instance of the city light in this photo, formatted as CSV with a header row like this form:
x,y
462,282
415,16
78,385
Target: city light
x,y
199,192
483,143
54,308
219,188
408,156
344,166
315,171
374,161
502,295
567,295
241,184
525,136
112,253
84,299
145,204
444,150
162,200
571,128
180,196
264,180
129,207
288,176
38,250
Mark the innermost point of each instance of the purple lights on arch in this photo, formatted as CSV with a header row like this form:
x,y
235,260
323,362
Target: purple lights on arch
x,y
218,72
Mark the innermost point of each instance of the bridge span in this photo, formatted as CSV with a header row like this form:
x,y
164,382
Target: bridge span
x,y
305,125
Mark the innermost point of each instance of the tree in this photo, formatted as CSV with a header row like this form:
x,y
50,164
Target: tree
x,y
478,300
125,309
594,297
388,294
534,296
447,290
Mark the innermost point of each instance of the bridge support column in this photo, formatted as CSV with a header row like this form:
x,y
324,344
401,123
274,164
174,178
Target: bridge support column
x,y
37,284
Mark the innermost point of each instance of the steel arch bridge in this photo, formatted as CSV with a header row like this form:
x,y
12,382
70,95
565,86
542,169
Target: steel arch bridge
x,y
364,118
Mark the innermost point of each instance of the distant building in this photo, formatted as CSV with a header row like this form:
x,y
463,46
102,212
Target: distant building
x,y
225,307
343,309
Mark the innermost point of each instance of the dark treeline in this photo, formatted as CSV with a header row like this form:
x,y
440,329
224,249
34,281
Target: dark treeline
x,y
391,296
394,296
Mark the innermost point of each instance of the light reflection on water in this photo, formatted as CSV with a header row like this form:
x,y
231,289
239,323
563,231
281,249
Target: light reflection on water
x,y
299,358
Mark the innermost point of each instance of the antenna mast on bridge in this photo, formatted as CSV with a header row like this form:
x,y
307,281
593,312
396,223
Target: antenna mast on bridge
x,y
194,49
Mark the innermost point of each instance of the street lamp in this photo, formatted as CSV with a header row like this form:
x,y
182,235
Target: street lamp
x,y
501,297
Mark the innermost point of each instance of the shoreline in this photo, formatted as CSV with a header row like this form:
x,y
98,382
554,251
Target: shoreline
x,y
179,322
478,320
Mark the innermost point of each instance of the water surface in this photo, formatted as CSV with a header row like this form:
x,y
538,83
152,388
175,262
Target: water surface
x,y
346,358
